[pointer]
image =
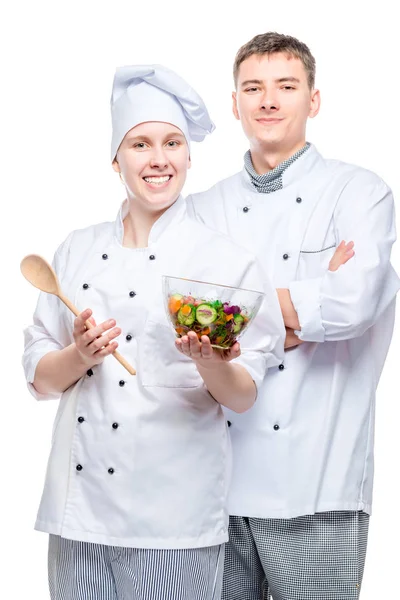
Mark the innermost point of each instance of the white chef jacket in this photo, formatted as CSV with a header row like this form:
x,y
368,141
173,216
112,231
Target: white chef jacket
x,y
161,433
307,446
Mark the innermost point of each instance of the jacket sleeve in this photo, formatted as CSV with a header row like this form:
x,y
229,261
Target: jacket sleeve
x,y
262,345
48,331
343,304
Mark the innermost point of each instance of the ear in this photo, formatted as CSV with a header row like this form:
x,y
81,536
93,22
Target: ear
x,y
234,106
315,103
116,166
189,162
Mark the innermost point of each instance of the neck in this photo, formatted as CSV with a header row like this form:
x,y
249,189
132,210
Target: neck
x,y
138,224
265,159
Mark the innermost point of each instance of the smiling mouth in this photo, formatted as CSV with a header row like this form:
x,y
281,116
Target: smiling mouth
x,y
269,121
158,180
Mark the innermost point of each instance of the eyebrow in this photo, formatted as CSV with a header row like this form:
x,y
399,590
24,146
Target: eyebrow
x,y
138,138
292,79
280,80
175,134
250,81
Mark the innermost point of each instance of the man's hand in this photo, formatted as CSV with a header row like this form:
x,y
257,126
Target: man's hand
x,y
342,254
203,353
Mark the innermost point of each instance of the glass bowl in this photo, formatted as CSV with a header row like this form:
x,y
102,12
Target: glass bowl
x,y
221,312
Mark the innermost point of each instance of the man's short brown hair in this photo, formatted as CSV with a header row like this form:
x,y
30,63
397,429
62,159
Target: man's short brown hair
x,y
272,43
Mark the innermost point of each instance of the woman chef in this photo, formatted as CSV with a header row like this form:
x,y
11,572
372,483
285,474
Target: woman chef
x,y
135,491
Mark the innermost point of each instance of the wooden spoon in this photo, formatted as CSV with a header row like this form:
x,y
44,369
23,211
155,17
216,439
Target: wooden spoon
x,y
40,274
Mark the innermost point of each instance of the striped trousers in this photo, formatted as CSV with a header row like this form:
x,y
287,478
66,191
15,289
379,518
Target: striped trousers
x,y
86,571
314,557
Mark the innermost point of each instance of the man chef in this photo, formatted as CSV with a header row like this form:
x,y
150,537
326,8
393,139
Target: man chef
x,y
301,493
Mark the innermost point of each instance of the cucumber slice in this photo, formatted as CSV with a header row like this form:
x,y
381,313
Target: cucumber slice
x,y
238,323
206,314
187,319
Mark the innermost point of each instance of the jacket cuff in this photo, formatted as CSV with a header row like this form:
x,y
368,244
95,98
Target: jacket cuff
x,y
38,396
255,364
306,298
30,369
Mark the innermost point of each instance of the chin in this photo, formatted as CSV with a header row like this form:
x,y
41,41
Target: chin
x,y
159,203
270,140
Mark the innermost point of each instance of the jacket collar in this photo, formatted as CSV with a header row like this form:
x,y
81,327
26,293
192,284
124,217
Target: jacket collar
x,y
172,216
296,171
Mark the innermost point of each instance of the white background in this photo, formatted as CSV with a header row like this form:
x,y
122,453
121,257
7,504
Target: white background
x,y
58,61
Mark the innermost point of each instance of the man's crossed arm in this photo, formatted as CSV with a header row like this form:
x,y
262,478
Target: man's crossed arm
x,y
343,253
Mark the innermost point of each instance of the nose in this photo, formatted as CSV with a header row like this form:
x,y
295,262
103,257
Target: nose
x,y
269,101
158,159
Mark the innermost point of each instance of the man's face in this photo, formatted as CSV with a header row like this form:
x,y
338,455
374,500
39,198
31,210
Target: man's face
x,y
273,100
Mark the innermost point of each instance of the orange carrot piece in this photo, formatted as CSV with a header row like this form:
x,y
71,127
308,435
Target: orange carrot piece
x,y
174,305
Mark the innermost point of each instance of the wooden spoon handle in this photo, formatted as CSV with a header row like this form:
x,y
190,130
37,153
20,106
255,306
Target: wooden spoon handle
x,y
89,325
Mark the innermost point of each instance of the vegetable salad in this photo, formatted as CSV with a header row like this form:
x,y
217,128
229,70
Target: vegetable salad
x,y
221,322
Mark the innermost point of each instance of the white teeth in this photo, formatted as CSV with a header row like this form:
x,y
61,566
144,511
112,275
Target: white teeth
x,y
158,180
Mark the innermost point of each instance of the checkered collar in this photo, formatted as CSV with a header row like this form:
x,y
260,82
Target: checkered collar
x,y
273,180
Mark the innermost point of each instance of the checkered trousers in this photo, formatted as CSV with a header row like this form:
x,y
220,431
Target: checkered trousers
x,y
314,557
86,571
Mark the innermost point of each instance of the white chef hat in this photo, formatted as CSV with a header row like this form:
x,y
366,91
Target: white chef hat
x,y
143,93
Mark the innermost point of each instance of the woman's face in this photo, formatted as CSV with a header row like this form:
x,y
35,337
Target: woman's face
x,y
153,160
